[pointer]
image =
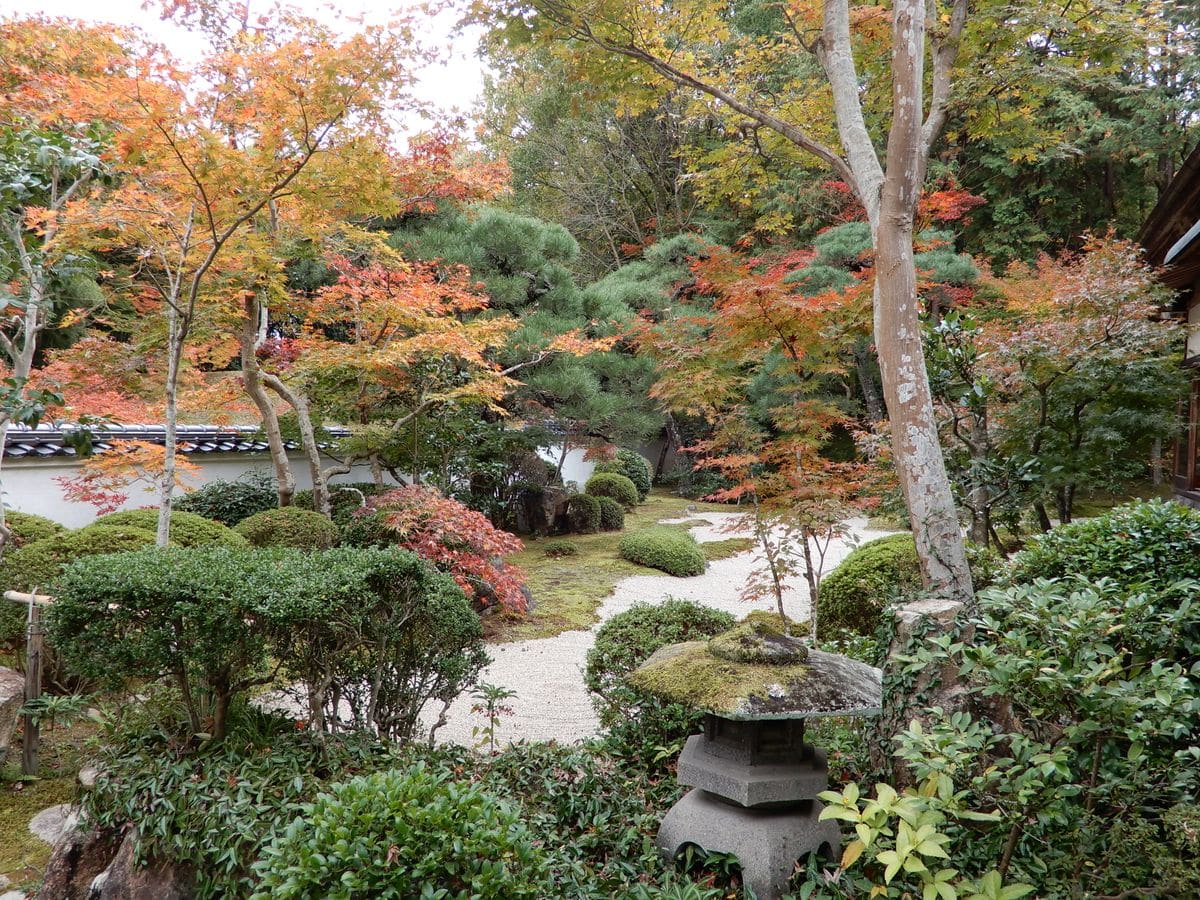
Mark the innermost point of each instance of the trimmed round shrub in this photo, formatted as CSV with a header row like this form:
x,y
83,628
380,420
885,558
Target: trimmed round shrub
x,y
187,529
633,466
879,572
610,484
558,549
612,515
1156,541
583,514
638,722
410,833
668,549
289,527
228,502
37,565
28,527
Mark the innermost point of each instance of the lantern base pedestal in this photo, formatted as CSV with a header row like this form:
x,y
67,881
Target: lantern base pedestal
x,y
767,842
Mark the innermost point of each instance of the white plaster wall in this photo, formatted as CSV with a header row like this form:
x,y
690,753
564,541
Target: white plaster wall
x,y
30,486
575,467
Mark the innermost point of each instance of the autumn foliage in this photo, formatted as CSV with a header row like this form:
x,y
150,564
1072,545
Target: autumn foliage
x,y
455,538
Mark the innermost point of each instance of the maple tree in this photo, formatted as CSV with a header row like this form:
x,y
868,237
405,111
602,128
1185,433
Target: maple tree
x,y
458,540
105,480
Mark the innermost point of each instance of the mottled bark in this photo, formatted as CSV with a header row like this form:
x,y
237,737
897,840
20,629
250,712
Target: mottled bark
x,y
250,338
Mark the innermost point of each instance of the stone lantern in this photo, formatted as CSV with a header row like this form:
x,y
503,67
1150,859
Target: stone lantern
x,y
755,781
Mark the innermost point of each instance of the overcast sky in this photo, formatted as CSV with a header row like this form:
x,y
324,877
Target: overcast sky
x,y
456,84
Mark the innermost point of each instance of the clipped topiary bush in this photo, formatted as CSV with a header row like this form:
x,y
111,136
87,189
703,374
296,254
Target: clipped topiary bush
x,y
37,565
1156,541
28,527
390,834
617,487
228,502
668,549
289,527
583,514
854,595
612,515
638,722
633,466
558,549
187,529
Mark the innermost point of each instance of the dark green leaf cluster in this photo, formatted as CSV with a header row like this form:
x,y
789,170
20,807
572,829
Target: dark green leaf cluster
x,y
670,550
633,466
289,526
231,501
617,487
583,514
612,515
557,549
405,833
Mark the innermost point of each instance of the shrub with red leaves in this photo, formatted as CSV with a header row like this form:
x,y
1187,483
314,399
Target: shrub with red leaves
x,y
455,538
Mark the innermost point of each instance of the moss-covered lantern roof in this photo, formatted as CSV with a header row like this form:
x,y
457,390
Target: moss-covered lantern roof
x,y
761,670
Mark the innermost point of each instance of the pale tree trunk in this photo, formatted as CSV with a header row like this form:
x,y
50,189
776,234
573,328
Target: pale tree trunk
x,y
308,439
252,335
175,338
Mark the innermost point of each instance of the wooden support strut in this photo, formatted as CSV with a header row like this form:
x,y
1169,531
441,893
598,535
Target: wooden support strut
x,y
33,674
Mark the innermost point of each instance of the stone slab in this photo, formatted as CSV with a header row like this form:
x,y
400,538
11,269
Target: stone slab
x,y
751,786
12,698
767,843
53,822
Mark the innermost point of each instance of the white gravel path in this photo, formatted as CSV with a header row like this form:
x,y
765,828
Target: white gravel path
x,y
551,702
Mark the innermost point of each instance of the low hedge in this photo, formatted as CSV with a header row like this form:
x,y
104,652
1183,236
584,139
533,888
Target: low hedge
x,y
28,527
583,514
668,549
405,833
614,486
558,549
633,466
289,527
187,529
612,515
637,722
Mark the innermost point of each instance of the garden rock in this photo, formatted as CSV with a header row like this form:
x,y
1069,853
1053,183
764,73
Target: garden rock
x,y
54,822
79,857
12,698
125,880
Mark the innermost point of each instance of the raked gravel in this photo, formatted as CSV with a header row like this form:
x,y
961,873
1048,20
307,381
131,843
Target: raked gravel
x,y
551,702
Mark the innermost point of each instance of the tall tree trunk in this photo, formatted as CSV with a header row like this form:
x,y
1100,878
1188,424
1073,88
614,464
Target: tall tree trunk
x,y
175,338
253,329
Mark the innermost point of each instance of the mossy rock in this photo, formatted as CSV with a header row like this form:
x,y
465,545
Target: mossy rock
x,y
187,529
730,677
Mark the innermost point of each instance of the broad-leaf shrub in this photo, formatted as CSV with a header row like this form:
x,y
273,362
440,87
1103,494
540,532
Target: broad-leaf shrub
x,y
405,833
638,723
187,529
455,538
583,514
612,515
1156,541
231,501
633,466
289,526
378,630
668,549
878,573
614,486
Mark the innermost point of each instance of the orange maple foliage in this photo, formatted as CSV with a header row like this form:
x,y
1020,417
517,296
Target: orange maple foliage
x,y
106,479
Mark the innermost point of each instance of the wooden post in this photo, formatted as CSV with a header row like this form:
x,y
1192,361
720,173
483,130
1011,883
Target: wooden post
x,y
33,689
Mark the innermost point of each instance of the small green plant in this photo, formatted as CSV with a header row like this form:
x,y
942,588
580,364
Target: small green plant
x,y
557,549
404,833
614,486
583,514
489,703
612,515
55,709
289,527
668,549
